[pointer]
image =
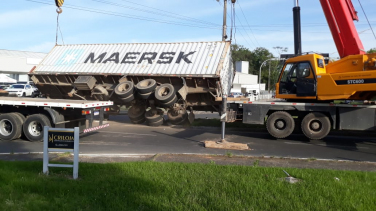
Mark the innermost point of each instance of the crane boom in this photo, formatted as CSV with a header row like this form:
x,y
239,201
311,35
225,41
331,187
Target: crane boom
x,y
340,15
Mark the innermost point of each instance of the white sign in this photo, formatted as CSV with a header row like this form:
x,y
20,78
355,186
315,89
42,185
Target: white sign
x,y
61,140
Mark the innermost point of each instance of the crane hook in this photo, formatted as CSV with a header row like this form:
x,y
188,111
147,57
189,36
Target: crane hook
x,y
59,10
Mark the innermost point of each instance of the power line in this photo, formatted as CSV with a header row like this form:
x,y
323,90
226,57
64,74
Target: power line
x,y
367,19
247,23
125,16
159,12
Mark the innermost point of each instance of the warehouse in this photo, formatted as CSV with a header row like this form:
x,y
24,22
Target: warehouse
x,y
17,64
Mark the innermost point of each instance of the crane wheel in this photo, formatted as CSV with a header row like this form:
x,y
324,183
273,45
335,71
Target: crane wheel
x,y
316,125
280,124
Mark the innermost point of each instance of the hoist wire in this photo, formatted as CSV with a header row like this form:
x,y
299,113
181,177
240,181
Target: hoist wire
x,y
367,19
58,30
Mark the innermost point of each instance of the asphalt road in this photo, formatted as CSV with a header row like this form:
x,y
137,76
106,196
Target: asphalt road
x,y
122,137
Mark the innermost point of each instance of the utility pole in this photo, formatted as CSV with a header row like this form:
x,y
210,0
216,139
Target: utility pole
x,y
269,79
224,36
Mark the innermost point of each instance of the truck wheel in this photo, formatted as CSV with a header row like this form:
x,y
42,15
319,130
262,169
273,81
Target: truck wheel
x,y
165,93
136,112
10,127
33,126
280,124
156,124
177,117
128,99
146,86
22,119
154,116
124,89
103,91
138,121
171,103
145,96
316,125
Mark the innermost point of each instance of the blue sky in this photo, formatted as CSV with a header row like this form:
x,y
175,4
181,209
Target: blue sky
x,y
31,26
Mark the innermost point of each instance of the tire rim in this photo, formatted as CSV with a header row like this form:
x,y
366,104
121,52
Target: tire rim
x,y
280,124
145,83
35,128
6,127
123,87
315,125
164,91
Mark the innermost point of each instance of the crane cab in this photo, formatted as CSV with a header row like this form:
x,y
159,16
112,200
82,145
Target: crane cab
x,y
298,78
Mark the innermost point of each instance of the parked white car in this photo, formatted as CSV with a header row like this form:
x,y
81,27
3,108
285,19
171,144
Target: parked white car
x,y
21,90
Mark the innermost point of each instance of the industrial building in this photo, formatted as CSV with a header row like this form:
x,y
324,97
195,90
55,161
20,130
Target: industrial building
x,y
244,82
17,64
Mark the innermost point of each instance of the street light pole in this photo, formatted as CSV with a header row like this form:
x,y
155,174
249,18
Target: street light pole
x,y
260,73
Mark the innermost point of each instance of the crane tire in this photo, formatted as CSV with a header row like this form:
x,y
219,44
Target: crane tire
x,y
316,125
280,124
10,127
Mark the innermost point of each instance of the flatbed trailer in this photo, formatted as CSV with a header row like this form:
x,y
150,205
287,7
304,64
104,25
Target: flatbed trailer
x,y
28,116
315,120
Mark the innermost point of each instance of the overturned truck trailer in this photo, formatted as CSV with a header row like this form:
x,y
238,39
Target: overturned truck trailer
x,y
179,77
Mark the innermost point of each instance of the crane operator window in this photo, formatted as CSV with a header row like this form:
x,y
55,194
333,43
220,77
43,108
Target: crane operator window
x,y
303,70
286,72
293,72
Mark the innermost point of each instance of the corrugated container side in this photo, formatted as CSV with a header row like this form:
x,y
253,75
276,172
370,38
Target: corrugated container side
x,y
200,59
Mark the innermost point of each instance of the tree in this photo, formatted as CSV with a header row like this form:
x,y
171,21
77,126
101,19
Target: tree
x,y
240,53
255,59
372,50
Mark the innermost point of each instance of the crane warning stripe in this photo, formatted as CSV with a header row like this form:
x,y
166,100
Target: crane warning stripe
x,y
59,3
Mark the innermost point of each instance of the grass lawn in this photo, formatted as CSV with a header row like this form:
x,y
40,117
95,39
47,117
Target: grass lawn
x,y
176,186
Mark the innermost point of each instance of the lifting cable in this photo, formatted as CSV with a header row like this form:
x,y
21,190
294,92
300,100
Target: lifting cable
x,y
58,11
367,19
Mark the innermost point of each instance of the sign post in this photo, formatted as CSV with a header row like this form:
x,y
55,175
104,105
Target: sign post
x,y
61,140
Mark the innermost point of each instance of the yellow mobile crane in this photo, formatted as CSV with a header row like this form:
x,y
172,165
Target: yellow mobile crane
x,y
353,77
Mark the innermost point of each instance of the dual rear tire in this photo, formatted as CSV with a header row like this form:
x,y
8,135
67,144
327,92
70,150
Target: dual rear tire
x,y
13,125
314,126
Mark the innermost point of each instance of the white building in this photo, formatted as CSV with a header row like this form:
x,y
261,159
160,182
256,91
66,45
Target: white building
x,y
244,82
17,64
